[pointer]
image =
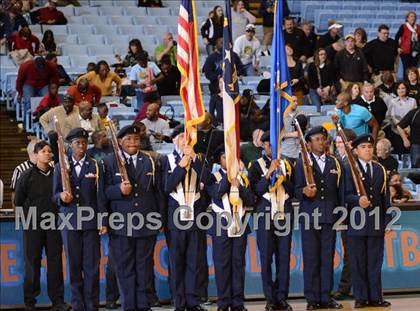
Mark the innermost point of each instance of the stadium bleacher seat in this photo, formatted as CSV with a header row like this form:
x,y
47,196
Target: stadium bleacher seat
x,y
94,50
79,28
111,38
95,20
131,30
91,39
81,61
124,3
167,20
85,10
120,20
72,50
135,11
67,11
111,11
105,29
64,61
145,20
72,20
159,11
120,49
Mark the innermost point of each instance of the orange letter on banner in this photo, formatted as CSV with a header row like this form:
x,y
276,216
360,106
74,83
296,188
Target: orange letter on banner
x,y
292,258
158,265
7,262
389,249
211,268
252,243
409,248
102,263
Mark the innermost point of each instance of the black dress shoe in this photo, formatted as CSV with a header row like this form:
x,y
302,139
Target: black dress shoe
x,y
270,307
242,308
222,308
380,304
111,305
283,305
332,304
179,309
312,306
360,304
61,307
29,307
196,308
340,296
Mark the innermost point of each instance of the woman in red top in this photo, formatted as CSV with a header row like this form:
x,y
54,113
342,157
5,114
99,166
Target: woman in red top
x,y
408,37
24,39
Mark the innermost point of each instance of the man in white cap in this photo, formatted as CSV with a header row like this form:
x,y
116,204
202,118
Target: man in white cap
x,y
248,48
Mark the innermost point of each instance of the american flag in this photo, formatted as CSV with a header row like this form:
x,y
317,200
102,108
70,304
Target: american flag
x,y
187,58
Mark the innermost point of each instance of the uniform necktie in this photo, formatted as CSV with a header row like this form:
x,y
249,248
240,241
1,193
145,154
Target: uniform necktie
x,y
78,168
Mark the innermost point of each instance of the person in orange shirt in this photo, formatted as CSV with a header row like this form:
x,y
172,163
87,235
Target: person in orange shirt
x,y
85,91
104,79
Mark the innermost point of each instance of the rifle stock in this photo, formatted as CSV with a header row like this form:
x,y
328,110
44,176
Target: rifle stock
x,y
117,151
355,172
307,162
62,158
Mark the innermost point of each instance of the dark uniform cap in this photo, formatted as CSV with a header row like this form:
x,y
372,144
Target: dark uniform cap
x,y
364,138
77,132
316,130
265,137
220,150
248,93
179,129
128,129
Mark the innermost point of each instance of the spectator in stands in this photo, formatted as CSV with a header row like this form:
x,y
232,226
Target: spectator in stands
x,y
208,137
263,86
106,80
49,15
157,127
248,48
134,48
101,146
216,105
67,109
103,114
397,193
310,40
412,139
290,147
49,101
168,47
296,74
1,193
251,116
355,117
321,79
213,66
172,78
374,104
91,66
33,78
144,76
144,137
85,119
63,77
240,18
266,11
24,39
383,151
330,40
85,91
48,44
150,3
360,37
413,84
11,21
212,29
381,54
251,150
68,2
148,100
27,6
388,86
354,90
17,172
295,37
408,37
351,64
398,108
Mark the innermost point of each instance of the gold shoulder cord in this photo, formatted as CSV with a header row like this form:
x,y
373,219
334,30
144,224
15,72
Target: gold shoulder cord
x,y
97,173
153,167
385,176
288,167
338,166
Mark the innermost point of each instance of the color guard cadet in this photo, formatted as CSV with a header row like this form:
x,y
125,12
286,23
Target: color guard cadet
x,y
276,202
133,249
182,174
34,189
318,242
366,244
229,245
82,244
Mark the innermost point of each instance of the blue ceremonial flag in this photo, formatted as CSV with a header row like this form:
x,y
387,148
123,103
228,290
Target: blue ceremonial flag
x,y
280,87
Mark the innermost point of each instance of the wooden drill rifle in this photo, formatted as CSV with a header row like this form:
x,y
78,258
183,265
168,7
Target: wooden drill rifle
x,y
306,158
117,151
62,158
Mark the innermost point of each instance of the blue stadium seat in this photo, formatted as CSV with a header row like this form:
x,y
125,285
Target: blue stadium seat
x,y
56,29
131,30
64,61
109,58
149,40
85,10
135,11
159,11
120,49
74,20
94,50
167,20
145,20
67,10
59,39
117,39
308,109
91,39
81,61
104,29
157,30
124,3
95,20
71,49
111,11
120,20
76,29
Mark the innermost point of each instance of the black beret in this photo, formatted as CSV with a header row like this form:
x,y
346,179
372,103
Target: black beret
x,y
77,132
179,129
128,129
220,150
68,97
316,130
248,93
364,138
266,136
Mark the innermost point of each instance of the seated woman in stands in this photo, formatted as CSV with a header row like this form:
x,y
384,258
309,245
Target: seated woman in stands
x,y
48,44
134,48
354,90
24,39
104,78
397,192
